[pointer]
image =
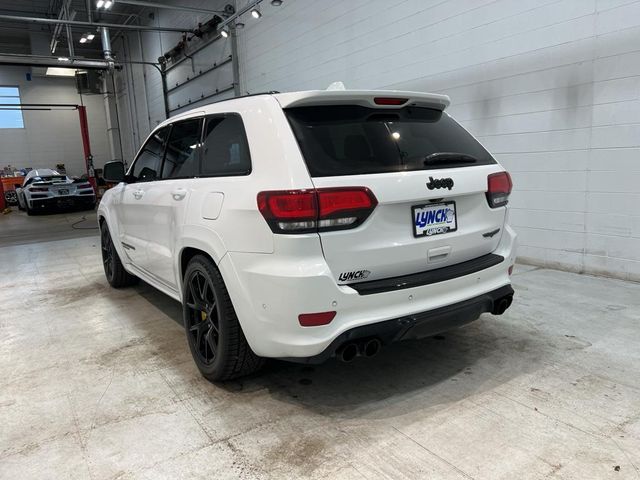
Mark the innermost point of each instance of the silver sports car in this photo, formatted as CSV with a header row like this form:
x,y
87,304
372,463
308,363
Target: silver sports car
x,y
45,189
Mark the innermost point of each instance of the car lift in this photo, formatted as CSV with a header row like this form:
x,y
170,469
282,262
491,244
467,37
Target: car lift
x,y
84,128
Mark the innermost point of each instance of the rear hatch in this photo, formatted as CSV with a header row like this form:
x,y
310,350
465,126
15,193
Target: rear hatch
x,y
428,175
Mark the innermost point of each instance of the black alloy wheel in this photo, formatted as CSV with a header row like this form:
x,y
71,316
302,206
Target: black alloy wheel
x,y
216,340
107,253
202,319
116,275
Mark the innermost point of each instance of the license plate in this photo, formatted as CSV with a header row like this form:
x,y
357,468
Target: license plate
x,y
434,219
63,191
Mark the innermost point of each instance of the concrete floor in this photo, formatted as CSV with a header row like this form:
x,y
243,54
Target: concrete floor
x,y
97,383
18,228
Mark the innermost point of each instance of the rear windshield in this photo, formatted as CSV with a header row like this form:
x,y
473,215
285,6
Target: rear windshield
x,y
351,140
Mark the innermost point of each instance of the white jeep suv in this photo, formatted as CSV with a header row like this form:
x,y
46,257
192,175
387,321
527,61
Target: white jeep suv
x,y
308,225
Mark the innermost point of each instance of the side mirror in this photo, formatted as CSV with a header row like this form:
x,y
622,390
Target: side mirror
x,y
113,172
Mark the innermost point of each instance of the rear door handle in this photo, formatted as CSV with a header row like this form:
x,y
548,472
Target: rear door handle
x,y
138,194
179,193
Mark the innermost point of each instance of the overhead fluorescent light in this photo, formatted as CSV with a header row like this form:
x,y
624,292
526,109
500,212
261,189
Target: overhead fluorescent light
x,y
83,40
108,4
224,32
64,59
100,4
255,12
90,36
60,72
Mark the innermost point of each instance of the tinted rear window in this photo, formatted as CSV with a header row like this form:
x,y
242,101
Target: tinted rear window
x,y
351,140
54,178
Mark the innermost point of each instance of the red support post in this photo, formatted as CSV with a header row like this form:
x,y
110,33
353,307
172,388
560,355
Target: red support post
x,y
84,131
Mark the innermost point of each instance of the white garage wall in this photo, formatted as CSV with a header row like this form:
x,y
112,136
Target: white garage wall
x,y
51,137
139,87
551,87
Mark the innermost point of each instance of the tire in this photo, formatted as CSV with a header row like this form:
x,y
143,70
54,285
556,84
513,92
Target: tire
x,y
29,210
116,275
214,335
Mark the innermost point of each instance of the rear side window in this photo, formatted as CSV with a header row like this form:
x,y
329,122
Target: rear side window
x,y
181,155
352,140
147,166
225,151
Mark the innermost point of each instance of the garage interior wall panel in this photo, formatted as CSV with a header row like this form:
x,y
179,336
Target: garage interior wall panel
x,y
140,100
551,87
52,137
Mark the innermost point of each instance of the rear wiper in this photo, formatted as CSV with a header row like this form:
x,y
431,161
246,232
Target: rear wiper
x,y
449,157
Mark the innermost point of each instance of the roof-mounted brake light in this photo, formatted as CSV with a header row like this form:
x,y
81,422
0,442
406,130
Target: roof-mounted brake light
x,y
390,101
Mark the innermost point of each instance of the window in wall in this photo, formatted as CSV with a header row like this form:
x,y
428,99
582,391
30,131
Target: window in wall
x,y
181,157
10,118
225,148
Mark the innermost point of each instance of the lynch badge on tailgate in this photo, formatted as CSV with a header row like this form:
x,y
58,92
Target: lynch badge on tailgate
x,y
355,275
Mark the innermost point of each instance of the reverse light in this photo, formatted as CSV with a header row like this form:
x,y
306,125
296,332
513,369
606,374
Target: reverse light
x,y
316,319
499,187
313,210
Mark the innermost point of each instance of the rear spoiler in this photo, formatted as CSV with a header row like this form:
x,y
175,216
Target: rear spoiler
x,y
365,98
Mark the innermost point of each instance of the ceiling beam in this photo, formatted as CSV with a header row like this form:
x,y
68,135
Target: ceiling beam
x,y
79,23
144,3
44,61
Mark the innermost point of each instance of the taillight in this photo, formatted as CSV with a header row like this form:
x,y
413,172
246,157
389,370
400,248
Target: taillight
x,y
39,189
498,189
321,209
84,185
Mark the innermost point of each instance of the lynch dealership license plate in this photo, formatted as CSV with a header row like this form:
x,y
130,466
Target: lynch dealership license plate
x,y
434,219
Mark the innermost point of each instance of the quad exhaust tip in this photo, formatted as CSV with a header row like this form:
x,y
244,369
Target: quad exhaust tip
x,y
371,348
501,305
348,352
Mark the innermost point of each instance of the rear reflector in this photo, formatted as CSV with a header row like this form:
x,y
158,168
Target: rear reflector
x,y
511,270
321,209
390,101
499,187
316,319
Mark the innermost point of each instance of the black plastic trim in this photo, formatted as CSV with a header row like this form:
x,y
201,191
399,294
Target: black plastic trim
x,y
426,278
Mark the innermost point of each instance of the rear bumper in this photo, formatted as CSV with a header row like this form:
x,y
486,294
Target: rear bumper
x,y
417,325
269,291
63,202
